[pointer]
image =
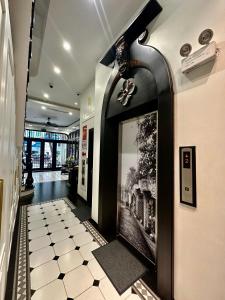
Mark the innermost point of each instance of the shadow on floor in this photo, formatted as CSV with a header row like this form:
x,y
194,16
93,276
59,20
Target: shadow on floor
x,y
46,191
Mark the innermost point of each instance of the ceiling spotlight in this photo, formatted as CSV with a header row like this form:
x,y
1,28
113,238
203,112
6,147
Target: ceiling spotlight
x,y
30,125
66,46
57,70
43,107
76,103
46,95
70,113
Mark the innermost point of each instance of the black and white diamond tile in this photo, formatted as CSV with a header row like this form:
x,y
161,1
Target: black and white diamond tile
x,y
60,255
143,290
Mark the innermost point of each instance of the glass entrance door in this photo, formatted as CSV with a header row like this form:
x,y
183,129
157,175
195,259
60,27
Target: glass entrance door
x,y
61,154
45,155
48,155
36,154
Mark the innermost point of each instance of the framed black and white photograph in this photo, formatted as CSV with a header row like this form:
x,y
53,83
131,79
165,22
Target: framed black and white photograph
x,y
137,182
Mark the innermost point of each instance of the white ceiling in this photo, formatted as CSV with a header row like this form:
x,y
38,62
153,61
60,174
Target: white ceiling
x,y
58,115
91,27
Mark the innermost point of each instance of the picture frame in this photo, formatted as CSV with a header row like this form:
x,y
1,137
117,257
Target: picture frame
x,y
137,196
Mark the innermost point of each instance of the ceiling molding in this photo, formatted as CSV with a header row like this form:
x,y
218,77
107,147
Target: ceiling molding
x,y
42,101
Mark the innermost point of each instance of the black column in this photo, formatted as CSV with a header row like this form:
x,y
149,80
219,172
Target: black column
x,y
54,156
42,155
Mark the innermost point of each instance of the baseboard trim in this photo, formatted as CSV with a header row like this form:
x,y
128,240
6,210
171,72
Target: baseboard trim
x,y
10,281
81,198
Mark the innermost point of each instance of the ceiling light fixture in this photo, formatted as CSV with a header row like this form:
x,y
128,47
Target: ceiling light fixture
x,y
76,103
70,113
57,70
43,107
66,46
46,95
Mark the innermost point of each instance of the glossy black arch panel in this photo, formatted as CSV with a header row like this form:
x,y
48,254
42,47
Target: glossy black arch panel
x,y
150,71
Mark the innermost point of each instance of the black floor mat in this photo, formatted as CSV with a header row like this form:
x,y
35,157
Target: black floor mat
x,y
120,265
82,213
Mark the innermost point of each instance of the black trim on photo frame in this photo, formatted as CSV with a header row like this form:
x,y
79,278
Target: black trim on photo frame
x,y
150,73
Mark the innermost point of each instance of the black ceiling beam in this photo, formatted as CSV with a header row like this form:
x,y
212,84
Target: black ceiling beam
x,y
149,12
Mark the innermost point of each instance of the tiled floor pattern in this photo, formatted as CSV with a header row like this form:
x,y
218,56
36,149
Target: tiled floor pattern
x,y
48,176
62,266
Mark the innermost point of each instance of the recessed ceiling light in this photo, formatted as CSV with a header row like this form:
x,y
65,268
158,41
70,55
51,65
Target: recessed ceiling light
x,y
43,107
46,95
70,113
66,46
30,125
57,70
76,103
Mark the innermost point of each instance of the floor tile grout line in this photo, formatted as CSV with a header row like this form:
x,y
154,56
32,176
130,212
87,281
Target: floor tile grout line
x,y
102,292
57,263
59,255
63,281
94,233
43,286
95,230
60,272
41,264
89,289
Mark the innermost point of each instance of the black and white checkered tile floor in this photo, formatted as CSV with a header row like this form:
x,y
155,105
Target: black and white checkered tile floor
x,y
57,262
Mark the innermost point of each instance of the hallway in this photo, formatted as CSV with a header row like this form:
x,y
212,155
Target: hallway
x,y
48,176
60,264
46,191
109,158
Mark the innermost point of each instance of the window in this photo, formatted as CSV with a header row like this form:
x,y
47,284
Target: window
x,y
45,135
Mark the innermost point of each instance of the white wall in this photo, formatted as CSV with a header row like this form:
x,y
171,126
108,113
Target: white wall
x,y
87,111
199,246
101,79
199,120
20,17
8,151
